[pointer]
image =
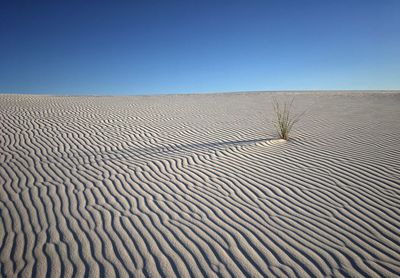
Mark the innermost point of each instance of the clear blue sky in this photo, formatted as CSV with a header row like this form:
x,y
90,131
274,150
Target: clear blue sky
x,y
140,47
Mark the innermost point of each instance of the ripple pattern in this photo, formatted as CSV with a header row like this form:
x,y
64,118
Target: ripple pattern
x,y
194,186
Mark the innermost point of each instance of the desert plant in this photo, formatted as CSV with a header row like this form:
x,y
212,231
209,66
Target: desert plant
x,y
284,118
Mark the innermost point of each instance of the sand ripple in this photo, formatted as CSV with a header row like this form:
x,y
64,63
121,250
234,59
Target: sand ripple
x,y
194,186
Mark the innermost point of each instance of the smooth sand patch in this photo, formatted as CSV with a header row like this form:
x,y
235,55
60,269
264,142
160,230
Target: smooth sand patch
x,y
196,185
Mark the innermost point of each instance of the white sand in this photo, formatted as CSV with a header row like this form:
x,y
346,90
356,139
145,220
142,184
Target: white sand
x,y
192,186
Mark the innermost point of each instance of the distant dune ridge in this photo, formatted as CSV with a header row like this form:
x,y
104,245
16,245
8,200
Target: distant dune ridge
x,y
193,185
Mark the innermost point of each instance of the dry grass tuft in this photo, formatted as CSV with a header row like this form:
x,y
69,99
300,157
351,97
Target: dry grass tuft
x,y
284,118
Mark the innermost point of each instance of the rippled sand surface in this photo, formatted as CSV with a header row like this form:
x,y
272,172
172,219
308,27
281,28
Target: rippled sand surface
x,y
195,185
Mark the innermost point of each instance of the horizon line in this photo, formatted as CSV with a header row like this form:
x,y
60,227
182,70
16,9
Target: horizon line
x,y
76,94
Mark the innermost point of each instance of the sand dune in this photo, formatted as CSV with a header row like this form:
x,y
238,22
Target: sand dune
x,y
193,185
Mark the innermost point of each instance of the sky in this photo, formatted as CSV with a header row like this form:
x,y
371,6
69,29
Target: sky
x,y
156,47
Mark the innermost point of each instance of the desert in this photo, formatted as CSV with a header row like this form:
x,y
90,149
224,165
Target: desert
x,y
198,185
